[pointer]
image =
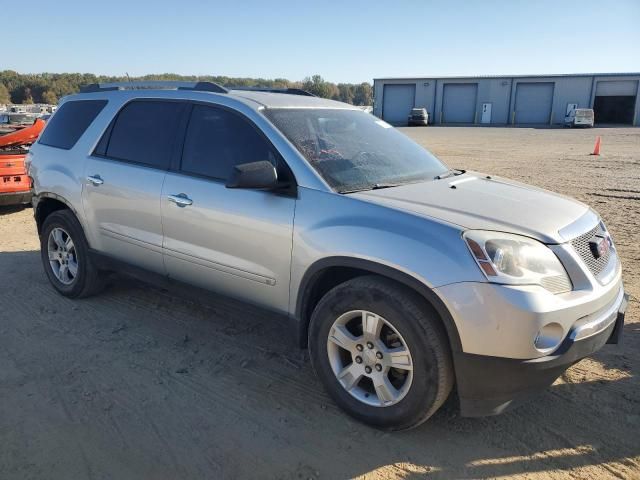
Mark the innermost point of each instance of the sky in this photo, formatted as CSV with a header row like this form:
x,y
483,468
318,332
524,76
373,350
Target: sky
x,y
343,41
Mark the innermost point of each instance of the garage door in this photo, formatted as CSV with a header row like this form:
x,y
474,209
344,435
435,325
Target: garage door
x,y
459,102
398,100
616,88
615,101
533,103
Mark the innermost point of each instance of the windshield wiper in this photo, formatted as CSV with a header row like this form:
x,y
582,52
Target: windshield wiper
x,y
375,186
449,173
378,186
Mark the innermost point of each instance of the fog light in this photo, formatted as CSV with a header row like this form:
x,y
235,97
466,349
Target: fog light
x,y
549,336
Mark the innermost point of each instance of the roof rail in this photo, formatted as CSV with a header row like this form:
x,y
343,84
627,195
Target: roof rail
x,y
290,91
154,85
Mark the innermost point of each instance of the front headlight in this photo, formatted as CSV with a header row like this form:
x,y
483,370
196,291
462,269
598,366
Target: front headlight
x,y
516,260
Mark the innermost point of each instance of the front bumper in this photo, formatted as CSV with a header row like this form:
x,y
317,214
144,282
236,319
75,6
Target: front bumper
x,y
503,320
489,385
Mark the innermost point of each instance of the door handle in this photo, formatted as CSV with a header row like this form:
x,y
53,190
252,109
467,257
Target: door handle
x,y
180,199
95,180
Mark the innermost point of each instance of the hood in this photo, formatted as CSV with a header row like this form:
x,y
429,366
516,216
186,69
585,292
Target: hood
x,y
476,201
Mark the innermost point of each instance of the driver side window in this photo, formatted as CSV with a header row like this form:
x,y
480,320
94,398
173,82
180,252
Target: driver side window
x,y
217,140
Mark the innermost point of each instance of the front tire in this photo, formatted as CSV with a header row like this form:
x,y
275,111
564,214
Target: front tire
x,y
65,256
381,353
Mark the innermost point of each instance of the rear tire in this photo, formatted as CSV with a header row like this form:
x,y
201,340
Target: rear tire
x,y
354,365
65,256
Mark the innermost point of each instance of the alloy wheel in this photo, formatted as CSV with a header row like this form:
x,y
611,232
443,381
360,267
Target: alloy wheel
x,y
62,256
370,358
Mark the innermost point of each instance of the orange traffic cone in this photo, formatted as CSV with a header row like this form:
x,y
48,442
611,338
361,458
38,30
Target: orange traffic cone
x,y
596,147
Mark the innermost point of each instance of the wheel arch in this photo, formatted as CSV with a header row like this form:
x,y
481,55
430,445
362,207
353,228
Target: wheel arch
x,y
46,203
326,273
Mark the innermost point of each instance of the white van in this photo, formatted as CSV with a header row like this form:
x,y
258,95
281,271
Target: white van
x,y
580,117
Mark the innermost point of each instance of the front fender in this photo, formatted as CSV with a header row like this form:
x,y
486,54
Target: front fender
x,y
338,230
331,225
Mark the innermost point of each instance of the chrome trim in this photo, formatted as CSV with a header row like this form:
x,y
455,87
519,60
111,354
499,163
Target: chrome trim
x,y
133,241
611,269
220,267
586,222
595,323
582,245
95,180
180,199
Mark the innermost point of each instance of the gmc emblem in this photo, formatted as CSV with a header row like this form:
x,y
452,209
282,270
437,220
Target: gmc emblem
x,y
599,246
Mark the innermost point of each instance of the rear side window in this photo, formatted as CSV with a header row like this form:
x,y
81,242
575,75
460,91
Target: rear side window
x,y
143,132
217,140
69,123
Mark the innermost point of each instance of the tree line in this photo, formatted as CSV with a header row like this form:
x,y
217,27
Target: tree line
x,y
50,87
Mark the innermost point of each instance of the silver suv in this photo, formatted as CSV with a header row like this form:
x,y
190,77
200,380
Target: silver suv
x,y
404,278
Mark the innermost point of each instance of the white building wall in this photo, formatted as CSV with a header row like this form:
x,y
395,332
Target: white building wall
x,y
495,91
501,91
570,90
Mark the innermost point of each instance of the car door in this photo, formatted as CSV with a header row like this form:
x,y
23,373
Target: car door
x,y
123,182
234,241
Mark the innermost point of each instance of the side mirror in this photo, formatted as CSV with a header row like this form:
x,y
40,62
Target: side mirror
x,y
255,175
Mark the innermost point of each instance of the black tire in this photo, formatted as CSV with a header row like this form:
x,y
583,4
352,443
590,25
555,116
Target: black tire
x,y
418,324
88,280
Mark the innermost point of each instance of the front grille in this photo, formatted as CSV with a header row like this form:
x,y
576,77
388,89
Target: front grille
x,y
581,245
557,284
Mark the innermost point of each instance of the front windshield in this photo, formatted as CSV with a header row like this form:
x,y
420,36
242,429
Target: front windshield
x,y
353,150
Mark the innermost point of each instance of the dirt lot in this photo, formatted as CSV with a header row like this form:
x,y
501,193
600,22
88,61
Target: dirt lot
x,y
139,383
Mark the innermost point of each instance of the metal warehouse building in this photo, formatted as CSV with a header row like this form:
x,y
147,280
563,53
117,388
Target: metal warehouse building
x,y
510,100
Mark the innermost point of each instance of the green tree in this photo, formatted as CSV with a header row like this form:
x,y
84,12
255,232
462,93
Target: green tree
x,y
363,94
5,97
43,87
318,86
345,92
49,97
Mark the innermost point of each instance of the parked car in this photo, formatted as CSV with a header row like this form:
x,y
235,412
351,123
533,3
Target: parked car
x,y
580,117
10,122
403,277
418,116
17,118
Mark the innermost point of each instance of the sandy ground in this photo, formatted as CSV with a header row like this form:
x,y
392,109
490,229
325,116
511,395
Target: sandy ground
x,y
141,383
